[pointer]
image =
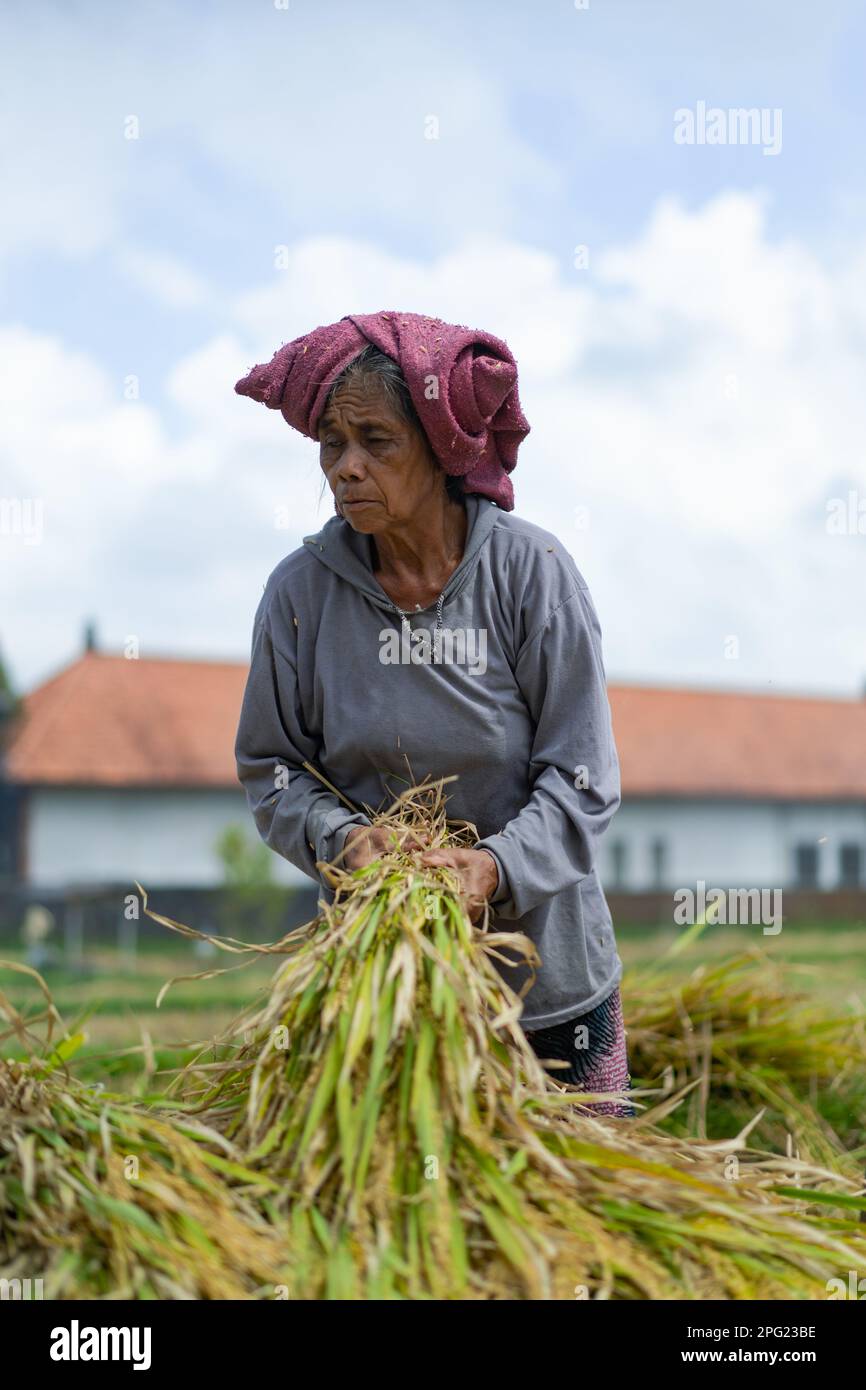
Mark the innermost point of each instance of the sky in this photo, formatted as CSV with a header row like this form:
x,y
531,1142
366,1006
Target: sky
x,y
188,186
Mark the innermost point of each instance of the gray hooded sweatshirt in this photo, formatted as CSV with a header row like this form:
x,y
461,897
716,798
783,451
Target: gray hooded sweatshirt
x,y
501,682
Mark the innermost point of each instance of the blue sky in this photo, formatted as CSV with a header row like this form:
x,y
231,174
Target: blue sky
x,y
696,391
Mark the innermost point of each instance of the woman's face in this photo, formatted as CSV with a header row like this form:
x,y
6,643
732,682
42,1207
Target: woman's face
x,y
379,467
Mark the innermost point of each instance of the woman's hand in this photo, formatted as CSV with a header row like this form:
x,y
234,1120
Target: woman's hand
x,y
476,870
364,843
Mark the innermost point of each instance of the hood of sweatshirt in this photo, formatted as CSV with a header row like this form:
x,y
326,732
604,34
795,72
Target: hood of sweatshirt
x,y
349,553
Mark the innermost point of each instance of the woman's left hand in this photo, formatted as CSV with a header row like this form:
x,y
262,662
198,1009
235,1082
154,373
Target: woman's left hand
x,y
476,870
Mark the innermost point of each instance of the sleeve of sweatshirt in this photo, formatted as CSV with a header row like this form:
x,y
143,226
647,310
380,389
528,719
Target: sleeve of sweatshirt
x,y
294,813
550,844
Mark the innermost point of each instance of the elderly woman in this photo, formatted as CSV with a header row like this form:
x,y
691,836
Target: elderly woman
x,y
427,631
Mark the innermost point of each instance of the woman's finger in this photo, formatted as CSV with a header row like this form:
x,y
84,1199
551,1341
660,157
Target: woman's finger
x,y
437,858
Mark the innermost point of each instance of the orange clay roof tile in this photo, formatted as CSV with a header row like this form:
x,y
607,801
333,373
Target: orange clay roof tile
x,y
108,721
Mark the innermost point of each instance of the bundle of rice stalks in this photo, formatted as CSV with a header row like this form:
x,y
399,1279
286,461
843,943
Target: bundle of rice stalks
x,y
746,1041
100,1198
385,1087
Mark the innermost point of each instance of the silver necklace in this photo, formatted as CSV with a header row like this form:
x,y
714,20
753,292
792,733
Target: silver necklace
x,y
407,626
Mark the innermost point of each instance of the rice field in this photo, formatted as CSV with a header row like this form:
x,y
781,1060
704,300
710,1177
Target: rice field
x,y
828,963
356,1113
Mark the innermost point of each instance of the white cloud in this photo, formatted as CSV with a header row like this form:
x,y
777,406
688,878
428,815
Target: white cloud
x,y
202,384
265,104
166,278
698,390
514,291
714,273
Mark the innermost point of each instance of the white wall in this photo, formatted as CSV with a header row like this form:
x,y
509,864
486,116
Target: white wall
x,y
729,844
157,837
169,837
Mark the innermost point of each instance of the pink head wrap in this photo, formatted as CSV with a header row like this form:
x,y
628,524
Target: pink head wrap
x,y
463,385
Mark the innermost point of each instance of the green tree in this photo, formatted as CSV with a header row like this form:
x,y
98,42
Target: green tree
x,y
10,703
251,901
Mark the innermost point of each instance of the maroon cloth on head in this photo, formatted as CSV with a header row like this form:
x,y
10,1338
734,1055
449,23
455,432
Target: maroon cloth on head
x,y
463,384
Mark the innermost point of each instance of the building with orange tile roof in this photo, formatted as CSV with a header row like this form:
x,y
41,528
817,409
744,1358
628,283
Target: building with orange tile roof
x,y
124,769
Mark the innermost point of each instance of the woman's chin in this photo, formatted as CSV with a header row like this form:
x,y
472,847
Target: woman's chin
x,y
365,519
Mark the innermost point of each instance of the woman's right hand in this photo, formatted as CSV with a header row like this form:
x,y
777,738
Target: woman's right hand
x,y
364,843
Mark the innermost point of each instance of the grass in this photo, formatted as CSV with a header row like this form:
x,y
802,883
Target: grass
x,y
103,1200
383,1083
746,1044
828,963
116,1004
375,1124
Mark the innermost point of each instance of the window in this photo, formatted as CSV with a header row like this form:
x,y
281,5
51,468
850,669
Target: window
x,y
659,855
9,807
850,866
806,860
619,861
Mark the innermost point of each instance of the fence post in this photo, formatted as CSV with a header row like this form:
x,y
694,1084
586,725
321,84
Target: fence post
x,y
73,933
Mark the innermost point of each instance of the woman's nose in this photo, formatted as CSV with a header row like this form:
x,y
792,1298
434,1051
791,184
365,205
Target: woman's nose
x,y
351,464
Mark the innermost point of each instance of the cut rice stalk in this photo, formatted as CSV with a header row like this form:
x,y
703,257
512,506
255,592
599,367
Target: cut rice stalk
x,y
407,1111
